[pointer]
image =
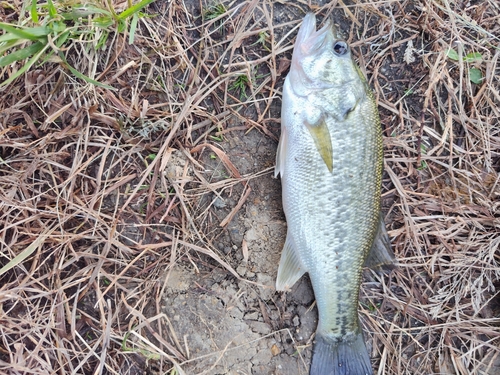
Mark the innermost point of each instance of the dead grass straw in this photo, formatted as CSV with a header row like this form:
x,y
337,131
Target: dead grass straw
x,y
92,179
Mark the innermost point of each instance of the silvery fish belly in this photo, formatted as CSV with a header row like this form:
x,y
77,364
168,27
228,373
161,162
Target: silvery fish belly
x,y
330,161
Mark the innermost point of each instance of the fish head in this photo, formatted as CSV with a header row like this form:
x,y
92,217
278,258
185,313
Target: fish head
x,y
321,59
326,82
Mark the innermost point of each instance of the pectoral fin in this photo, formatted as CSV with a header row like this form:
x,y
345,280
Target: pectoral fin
x,y
290,268
381,256
323,141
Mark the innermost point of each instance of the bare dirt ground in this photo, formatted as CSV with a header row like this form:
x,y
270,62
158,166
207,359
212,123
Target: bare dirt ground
x,y
141,227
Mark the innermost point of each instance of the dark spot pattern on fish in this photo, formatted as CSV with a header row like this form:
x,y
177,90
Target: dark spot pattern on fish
x,y
344,326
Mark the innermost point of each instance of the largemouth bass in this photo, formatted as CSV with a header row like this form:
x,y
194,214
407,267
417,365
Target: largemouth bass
x,y
330,161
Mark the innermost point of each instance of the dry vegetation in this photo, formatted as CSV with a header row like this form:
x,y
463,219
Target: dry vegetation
x,y
103,189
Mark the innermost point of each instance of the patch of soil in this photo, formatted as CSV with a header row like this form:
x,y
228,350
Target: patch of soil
x,y
232,326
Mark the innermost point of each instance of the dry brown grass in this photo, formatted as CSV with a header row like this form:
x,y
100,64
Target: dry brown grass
x,y
442,161
102,192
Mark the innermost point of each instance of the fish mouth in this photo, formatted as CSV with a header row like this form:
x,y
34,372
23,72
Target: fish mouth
x,y
309,40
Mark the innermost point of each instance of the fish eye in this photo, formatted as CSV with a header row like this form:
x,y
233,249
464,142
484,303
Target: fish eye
x,y
340,48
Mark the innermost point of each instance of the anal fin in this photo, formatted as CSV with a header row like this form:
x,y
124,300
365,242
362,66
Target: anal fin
x,y
290,269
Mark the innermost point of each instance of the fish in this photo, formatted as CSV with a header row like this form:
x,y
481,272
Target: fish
x,y
330,160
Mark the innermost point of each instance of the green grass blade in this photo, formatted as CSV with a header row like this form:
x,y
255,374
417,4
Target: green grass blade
x,y
25,67
8,37
31,33
85,11
134,8
121,26
102,40
4,47
52,9
33,11
133,28
62,38
21,54
103,22
77,74
26,252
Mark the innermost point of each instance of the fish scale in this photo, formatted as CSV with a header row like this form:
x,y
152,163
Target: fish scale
x,y
330,162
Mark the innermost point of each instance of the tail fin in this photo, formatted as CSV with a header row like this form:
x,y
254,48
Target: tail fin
x,y
340,357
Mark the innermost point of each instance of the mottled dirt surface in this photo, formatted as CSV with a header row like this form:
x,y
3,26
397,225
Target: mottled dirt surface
x,y
233,326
